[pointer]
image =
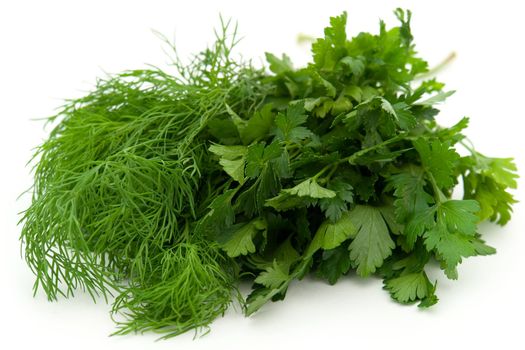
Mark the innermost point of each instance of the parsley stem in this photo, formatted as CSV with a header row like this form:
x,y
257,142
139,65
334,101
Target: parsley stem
x,y
323,170
469,147
436,69
439,196
334,168
353,157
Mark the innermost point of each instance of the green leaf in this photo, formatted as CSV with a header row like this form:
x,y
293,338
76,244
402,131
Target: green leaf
x,y
220,215
258,298
234,168
274,276
405,118
372,243
228,152
310,188
495,202
231,158
328,51
450,247
238,239
224,130
331,235
409,190
439,159
355,65
353,91
258,126
481,248
387,107
501,170
286,254
336,262
388,213
279,65
437,98
284,201
454,235
422,220
459,216
341,105
329,89
409,288
258,156
288,125
453,133
266,186
335,206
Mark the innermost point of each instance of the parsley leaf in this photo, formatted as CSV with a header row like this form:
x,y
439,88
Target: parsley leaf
x,y
439,159
411,287
336,262
232,159
238,239
372,242
288,127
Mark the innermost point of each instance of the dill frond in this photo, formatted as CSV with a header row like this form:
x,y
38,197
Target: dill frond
x,y
118,180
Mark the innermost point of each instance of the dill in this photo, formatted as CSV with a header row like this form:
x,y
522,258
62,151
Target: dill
x,y
119,179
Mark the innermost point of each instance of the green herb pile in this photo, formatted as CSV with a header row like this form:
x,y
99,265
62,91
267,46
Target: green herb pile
x,y
167,190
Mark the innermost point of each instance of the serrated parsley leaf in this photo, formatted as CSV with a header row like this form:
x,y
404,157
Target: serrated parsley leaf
x,y
501,170
372,242
495,202
274,276
335,206
258,126
331,235
330,49
410,287
355,65
221,215
336,262
439,159
279,65
409,190
238,239
288,125
258,156
451,248
459,216
454,233
310,188
231,158
487,180
285,201
405,118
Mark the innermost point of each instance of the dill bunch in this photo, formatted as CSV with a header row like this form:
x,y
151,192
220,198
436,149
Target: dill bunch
x,y
121,179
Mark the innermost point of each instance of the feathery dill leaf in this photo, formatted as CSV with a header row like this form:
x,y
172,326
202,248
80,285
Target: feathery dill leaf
x,y
119,178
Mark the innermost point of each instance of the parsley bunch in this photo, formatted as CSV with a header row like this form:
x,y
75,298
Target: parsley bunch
x,y
169,189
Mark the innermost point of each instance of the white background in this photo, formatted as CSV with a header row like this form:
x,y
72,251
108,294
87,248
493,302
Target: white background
x,y
51,50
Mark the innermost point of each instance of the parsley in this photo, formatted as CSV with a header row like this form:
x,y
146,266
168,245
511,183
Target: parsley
x,y
169,189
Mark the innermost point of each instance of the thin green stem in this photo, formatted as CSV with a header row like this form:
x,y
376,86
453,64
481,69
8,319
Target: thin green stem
x,y
353,157
438,194
438,68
